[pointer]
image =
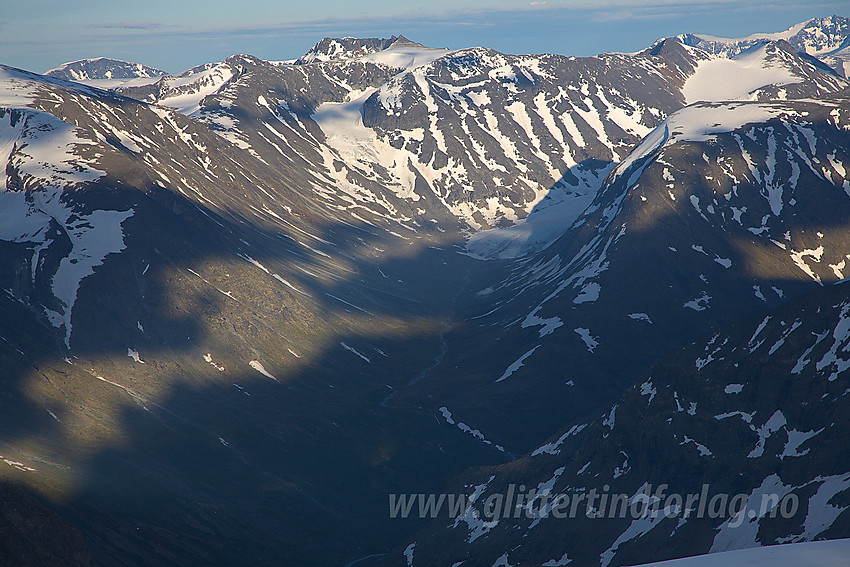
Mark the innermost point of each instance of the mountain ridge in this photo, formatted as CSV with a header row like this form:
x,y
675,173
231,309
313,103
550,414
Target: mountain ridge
x,y
826,38
247,301
103,71
736,364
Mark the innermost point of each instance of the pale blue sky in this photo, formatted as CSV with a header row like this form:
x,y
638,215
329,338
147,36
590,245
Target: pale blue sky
x,y
174,35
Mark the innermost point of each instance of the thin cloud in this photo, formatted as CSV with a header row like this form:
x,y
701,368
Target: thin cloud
x,y
130,25
539,26
606,11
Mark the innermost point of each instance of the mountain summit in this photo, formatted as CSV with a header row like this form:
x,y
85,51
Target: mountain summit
x,y
825,38
335,49
103,68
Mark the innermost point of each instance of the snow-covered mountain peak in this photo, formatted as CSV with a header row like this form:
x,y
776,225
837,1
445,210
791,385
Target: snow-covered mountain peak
x,y
814,37
336,48
198,69
825,38
186,93
103,68
406,55
820,36
397,52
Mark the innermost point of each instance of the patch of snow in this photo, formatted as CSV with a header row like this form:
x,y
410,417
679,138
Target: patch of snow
x,y
258,366
407,57
772,425
554,447
700,303
741,531
721,79
447,415
208,358
517,365
795,439
647,389
832,553
703,450
353,350
134,354
590,341
821,514
589,293
637,529
408,553
564,560
549,325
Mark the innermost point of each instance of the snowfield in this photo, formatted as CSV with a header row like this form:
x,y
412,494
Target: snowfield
x,y
736,78
834,553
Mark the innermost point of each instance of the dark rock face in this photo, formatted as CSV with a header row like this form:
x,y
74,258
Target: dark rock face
x,y
31,533
756,410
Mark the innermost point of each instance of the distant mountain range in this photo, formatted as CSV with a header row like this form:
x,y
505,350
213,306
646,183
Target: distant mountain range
x,y
245,305
827,39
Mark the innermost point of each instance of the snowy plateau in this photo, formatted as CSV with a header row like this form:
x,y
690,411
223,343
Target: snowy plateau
x,y
245,307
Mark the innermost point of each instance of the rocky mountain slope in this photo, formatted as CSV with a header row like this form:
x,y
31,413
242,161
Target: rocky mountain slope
x,y
256,298
486,138
725,209
182,317
764,397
